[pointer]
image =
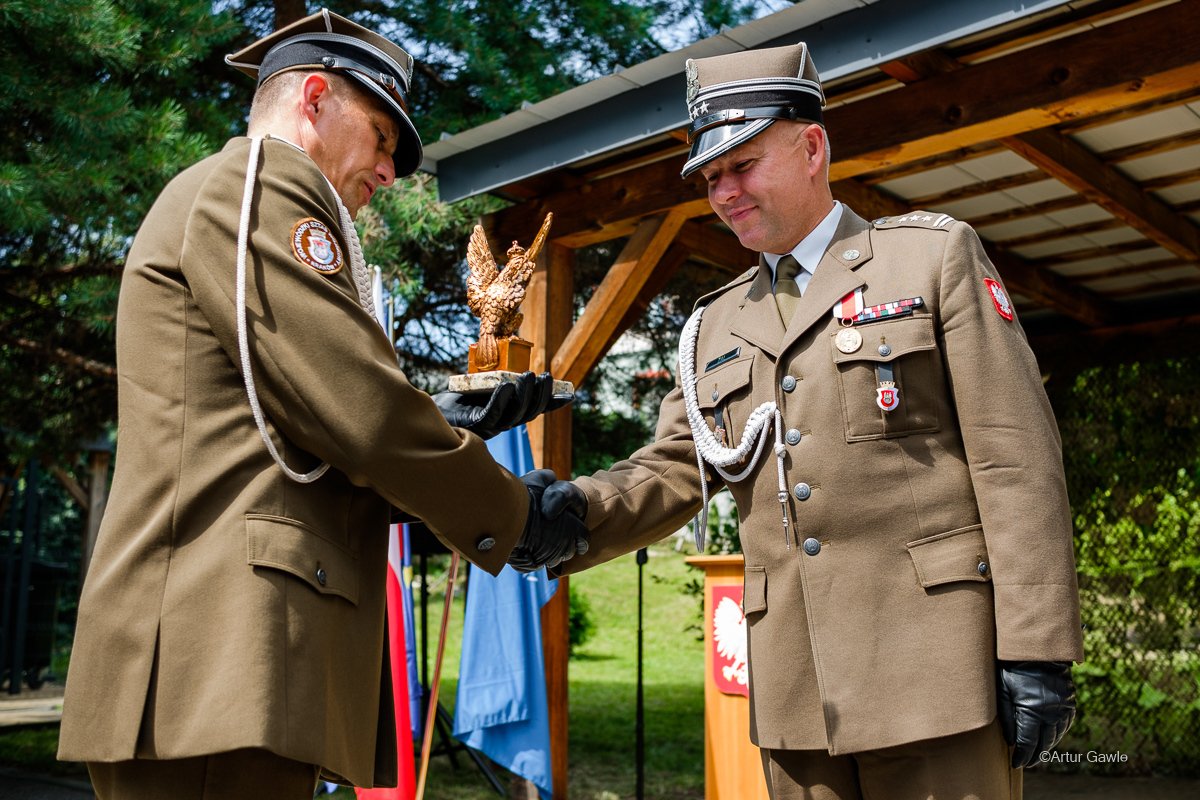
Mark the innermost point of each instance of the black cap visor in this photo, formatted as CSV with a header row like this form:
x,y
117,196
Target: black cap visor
x,y
717,141
408,154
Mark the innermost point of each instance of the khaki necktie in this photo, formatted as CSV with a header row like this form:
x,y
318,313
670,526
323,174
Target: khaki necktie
x,y
787,293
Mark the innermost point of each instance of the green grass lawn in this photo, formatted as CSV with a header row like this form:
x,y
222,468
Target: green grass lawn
x,y
603,677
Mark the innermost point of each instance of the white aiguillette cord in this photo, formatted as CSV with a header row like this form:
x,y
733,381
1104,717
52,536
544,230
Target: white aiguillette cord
x,y
360,278
709,450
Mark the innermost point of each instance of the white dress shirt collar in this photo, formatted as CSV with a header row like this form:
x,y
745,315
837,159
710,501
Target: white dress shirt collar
x,y
812,248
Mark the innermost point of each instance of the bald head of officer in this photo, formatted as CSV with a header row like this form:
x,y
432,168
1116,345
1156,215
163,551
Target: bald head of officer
x,y
339,92
758,141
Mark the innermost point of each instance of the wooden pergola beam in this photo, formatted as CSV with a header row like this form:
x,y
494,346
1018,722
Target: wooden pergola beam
x,y
1088,73
670,263
1067,79
585,343
1051,290
1061,157
607,208
1065,159
1042,286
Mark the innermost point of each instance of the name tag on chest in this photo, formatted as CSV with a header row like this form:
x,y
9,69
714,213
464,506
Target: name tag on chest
x,y
721,359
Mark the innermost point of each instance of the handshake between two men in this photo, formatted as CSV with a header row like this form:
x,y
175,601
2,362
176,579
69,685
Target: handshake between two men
x,y
554,530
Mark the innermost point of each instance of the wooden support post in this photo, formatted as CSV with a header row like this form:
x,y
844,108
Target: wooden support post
x,y
584,345
548,317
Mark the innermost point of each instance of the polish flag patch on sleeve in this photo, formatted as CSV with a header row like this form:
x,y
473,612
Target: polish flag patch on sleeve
x,y
999,298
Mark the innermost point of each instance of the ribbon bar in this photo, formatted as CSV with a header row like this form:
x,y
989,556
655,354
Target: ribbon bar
x,y
896,308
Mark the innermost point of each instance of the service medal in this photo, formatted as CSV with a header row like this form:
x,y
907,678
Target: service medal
x,y
848,340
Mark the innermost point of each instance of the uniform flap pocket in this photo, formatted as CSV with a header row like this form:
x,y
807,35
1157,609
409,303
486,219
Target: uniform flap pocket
x,y
888,340
958,555
290,545
754,593
714,386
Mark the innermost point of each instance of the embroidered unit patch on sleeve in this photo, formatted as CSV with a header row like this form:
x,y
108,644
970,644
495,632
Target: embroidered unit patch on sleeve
x,y
999,298
314,246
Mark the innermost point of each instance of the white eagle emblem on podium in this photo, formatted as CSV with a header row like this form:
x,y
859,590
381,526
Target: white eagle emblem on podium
x,y
729,646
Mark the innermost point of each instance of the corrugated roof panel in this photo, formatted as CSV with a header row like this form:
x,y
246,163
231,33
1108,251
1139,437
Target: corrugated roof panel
x,y
1080,215
1183,193
586,95
1159,164
1039,192
931,182
505,126
1144,282
1115,284
1146,256
974,207
1092,265
995,165
1112,237
1067,244
1136,130
1004,231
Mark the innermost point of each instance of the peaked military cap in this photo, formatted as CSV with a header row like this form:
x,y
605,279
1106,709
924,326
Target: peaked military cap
x,y
325,40
734,97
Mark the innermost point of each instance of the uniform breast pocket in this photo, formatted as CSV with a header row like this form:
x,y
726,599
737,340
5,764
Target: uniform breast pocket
x,y
723,394
891,384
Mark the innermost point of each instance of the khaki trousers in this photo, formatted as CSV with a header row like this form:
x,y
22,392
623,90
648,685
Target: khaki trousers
x,y
236,775
966,766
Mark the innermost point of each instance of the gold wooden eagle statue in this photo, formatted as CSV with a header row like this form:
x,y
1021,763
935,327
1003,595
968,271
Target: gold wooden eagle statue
x,y
496,295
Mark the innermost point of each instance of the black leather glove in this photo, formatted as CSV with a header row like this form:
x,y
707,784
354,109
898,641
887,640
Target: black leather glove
x,y
1037,706
509,405
565,496
549,540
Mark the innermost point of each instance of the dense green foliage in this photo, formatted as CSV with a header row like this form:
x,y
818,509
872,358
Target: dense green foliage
x,y
104,102
1131,439
581,622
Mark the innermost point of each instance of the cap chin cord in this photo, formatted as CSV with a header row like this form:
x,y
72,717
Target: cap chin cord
x,y
362,282
709,450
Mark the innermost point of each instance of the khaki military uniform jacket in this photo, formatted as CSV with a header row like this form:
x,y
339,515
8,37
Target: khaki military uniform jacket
x,y
938,534
226,605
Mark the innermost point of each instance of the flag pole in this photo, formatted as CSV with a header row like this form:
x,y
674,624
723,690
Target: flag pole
x,y
431,712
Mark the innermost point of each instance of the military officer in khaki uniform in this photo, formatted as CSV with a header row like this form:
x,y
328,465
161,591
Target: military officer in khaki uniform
x,y
868,396
230,640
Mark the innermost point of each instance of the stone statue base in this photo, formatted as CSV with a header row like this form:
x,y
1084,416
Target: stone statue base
x,y
514,359
487,381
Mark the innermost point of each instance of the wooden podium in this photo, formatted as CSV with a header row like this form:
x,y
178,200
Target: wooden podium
x,y
732,767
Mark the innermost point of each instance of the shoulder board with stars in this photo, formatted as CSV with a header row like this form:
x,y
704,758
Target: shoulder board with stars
x,y
916,219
